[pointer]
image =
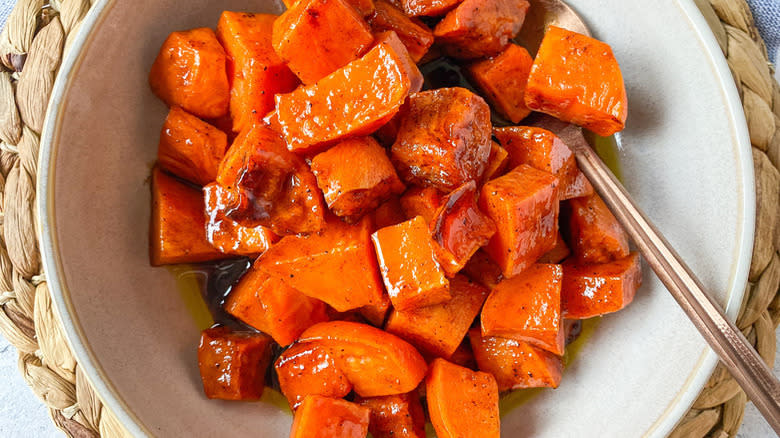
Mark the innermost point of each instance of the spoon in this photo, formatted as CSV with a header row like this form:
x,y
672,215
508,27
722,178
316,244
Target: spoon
x,y
739,357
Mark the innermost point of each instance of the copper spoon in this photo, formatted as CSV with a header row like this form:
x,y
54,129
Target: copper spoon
x,y
739,357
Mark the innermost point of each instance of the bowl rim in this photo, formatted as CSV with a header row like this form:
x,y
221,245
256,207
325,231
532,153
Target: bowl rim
x,y
108,394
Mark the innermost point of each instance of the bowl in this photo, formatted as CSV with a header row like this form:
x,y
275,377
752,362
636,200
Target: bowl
x,y
685,156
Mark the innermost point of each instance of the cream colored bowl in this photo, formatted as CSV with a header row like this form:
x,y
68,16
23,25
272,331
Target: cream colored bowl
x,y
685,156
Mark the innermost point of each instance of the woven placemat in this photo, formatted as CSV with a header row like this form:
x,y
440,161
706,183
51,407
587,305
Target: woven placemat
x,y
31,48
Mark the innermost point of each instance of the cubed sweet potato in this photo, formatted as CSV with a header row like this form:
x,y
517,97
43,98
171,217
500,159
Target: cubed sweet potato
x,y
430,8
325,417
598,289
257,74
421,201
310,369
460,228
559,252
356,176
413,278
437,330
365,7
376,313
354,100
515,364
577,79
190,72
389,213
502,79
444,138
177,232
376,362
271,186
462,402
527,307
595,234
482,269
497,162
524,206
395,416
480,28
233,364
415,35
227,235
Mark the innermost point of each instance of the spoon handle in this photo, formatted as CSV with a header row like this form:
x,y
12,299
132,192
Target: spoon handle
x,y
744,363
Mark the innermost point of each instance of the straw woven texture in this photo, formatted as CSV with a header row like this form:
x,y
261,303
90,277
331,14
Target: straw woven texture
x,y
31,47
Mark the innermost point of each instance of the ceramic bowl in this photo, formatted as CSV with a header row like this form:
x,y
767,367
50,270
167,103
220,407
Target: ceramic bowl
x,y
685,156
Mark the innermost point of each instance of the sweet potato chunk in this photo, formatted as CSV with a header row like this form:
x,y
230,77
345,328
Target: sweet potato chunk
x,y
421,201
497,162
324,417
227,235
177,232
376,363
356,176
462,403
413,278
365,7
310,369
502,79
376,313
482,269
598,289
318,37
415,35
527,307
271,186
395,416
460,228
190,148
577,79
480,28
256,72
559,252
595,234
444,138
515,364
389,213
430,8
354,100
190,72
232,364
438,330
337,265
524,205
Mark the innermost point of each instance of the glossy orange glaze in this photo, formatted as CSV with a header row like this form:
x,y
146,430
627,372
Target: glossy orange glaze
x,y
395,416
595,234
365,7
438,330
272,186
233,364
324,417
227,235
421,201
502,79
412,276
497,162
577,79
524,206
389,213
310,369
415,35
414,8
482,269
559,252
598,289
527,307
515,364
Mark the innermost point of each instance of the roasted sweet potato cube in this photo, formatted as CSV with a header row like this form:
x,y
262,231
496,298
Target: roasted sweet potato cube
x,y
413,278
524,206
462,402
336,265
365,7
324,417
233,364
463,355
515,364
430,8
502,79
598,289
256,72
421,201
444,138
437,330
595,234
352,101
415,35
395,416
271,186
559,252
309,369
577,79
527,307
480,28
497,162
356,176
190,148
177,233
190,72
389,213
227,235
460,228
376,362
482,269
318,37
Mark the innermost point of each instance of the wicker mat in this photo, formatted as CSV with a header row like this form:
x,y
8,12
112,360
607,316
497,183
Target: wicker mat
x,y
31,48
